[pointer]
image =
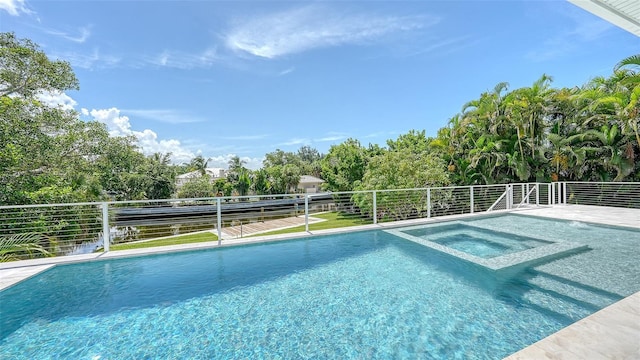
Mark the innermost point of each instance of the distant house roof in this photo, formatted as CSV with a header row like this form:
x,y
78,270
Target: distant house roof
x,y
310,179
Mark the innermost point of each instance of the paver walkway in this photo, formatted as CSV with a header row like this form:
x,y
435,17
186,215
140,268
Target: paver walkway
x,y
237,231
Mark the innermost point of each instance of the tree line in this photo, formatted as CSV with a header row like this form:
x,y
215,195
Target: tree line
x,y
534,133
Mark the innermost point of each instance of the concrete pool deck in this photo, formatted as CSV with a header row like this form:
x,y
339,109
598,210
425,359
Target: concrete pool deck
x,y
611,333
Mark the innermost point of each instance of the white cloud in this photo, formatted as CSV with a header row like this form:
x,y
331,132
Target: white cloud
x,y
169,116
89,61
246,137
296,141
373,135
441,47
312,27
14,7
286,71
119,125
222,161
57,99
330,138
80,38
183,60
148,141
253,163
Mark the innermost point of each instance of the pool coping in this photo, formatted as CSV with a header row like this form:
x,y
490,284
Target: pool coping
x,y
612,332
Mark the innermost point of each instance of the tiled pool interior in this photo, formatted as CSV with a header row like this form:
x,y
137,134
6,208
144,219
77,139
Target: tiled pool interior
x,y
367,294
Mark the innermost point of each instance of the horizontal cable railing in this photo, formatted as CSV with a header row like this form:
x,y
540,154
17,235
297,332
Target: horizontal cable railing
x,y
622,194
32,231
64,229
132,222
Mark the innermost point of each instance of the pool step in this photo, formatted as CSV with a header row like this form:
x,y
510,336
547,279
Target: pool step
x,y
572,290
562,307
553,294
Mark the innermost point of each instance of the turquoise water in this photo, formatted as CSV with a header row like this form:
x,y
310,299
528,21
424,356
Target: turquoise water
x,y
475,245
359,295
476,241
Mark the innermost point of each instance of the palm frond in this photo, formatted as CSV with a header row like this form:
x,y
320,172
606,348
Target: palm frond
x,y
633,60
22,246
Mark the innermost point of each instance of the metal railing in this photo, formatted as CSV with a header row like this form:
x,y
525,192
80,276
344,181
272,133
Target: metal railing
x,y
619,194
64,229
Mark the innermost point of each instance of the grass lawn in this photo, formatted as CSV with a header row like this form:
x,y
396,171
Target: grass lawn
x,y
184,239
334,220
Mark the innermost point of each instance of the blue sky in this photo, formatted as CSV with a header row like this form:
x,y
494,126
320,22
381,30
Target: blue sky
x,y
224,78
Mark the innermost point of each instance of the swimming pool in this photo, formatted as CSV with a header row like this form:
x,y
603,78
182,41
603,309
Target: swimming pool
x,y
357,295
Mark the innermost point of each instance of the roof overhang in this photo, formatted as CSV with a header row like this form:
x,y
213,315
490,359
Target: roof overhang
x,y
622,13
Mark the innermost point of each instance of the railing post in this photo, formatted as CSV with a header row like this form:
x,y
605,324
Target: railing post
x,y
106,238
537,194
471,196
428,202
564,193
306,212
219,214
552,194
375,208
522,193
510,196
527,193
506,199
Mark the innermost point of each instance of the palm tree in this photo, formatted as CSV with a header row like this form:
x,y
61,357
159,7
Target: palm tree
x,y
243,184
200,164
631,68
613,148
236,164
487,156
290,177
566,158
527,108
236,167
614,99
261,184
472,135
631,61
160,178
162,159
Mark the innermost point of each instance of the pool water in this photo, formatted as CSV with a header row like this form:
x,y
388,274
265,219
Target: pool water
x,y
476,241
358,295
475,246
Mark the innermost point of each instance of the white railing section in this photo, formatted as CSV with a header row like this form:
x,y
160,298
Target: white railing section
x,y
526,199
620,194
64,229
503,201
